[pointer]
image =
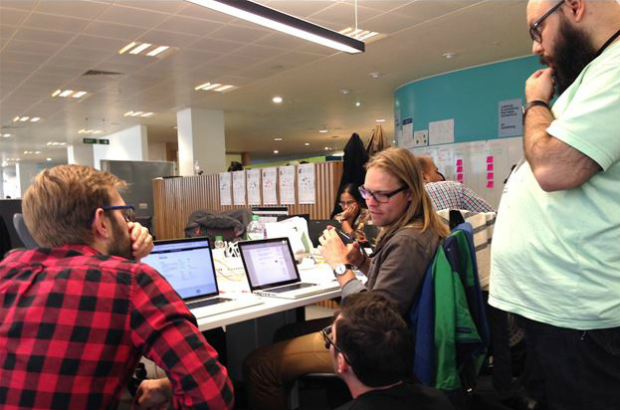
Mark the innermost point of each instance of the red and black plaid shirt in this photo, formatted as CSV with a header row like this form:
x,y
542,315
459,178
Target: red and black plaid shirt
x,y
74,324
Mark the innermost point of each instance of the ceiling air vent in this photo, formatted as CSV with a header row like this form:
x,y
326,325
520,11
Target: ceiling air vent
x,y
100,72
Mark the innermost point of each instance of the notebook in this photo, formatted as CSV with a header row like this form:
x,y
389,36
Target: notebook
x,y
271,270
187,264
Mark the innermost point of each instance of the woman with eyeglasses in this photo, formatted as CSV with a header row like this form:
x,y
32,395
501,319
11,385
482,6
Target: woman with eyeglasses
x,y
355,213
410,232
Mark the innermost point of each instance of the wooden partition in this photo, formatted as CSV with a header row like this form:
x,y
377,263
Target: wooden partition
x,y
174,199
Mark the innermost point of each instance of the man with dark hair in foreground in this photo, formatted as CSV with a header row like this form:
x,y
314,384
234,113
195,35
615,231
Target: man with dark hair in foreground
x,y
372,353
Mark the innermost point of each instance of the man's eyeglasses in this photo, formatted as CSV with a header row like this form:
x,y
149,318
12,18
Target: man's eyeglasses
x,y
129,211
326,332
381,197
535,33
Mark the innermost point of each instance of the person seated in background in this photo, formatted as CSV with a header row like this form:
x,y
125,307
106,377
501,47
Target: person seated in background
x,y
450,194
235,166
410,234
355,213
372,352
78,314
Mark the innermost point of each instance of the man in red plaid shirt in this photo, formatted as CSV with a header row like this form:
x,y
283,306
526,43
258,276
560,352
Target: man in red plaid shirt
x,y
77,314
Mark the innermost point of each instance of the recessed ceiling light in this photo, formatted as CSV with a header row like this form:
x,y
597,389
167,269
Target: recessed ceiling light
x,y
323,130
374,75
224,88
140,48
69,93
380,120
35,119
277,139
358,104
56,144
214,87
89,131
24,119
48,159
275,151
358,34
15,119
307,144
345,91
127,47
6,135
448,55
277,99
147,114
158,50
326,148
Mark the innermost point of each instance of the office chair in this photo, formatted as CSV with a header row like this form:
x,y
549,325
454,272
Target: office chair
x,y
23,232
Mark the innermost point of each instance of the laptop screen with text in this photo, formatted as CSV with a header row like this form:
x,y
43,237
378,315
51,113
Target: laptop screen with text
x,y
269,262
187,264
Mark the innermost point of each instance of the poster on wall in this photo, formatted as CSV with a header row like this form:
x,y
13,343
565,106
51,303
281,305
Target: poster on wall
x,y
225,192
510,118
420,138
270,177
253,183
287,185
441,132
306,184
406,138
239,187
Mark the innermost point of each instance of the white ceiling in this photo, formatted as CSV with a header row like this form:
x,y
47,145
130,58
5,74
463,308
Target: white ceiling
x,y
48,44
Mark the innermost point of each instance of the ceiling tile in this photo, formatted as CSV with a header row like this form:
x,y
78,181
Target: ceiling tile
x,y
7,31
12,56
241,34
311,47
299,8
72,8
283,41
89,54
43,36
118,31
426,10
99,43
194,57
204,13
168,39
342,15
297,58
208,72
236,61
258,52
215,46
24,5
186,25
32,47
132,17
57,23
9,17
162,6
389,23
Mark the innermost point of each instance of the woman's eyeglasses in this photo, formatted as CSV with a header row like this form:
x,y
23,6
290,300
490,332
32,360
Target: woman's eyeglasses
x,y
381,197
129,211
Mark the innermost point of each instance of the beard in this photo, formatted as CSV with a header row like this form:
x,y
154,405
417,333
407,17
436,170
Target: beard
x,y
572,53
121,242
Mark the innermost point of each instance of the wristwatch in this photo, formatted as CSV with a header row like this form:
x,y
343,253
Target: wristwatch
x,y
534,103
342,268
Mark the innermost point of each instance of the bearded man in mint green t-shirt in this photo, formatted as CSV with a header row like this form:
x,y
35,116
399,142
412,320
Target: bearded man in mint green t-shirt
x,y
556,247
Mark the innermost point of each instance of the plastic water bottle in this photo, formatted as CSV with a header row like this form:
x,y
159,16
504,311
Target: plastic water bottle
x,y
219,242
256,230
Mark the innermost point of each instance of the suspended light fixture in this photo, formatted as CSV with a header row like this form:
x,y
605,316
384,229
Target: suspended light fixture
x,y
276,20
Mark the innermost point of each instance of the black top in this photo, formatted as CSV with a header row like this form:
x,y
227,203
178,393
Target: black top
x,y
401,397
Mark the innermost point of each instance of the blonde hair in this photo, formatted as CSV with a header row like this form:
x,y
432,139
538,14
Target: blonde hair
x,y
60,204
404,166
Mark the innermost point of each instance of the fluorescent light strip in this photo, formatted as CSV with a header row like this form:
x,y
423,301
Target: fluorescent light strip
x,y
158,50
79,94
35,119
65,93
127,47
211,87
140,48
276,20
201,86
56,93
146,114
224,88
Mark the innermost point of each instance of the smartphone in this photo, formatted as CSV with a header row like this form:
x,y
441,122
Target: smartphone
x,y
346,239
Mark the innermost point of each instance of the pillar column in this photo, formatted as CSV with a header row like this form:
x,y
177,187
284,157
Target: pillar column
x,y
81,154
201,138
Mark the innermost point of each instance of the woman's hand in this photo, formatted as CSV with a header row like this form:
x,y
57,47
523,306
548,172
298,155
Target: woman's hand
x,y
350,212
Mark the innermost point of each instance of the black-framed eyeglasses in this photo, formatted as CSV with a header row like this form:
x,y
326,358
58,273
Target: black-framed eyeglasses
x,y
535,33
326,332
129,211
381,197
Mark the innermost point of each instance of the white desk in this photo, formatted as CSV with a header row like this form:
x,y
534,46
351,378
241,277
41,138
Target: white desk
x,y
251,327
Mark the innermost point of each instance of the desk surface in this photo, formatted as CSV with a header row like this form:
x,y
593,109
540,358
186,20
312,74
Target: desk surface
x,y
236,286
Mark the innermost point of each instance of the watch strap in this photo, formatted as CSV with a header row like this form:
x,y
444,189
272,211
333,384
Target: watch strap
x,y
534,103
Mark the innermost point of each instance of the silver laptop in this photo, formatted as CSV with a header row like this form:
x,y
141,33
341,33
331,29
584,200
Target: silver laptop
x,y
187,264
271,270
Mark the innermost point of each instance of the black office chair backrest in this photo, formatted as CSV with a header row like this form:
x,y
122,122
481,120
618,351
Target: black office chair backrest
x,y
23,232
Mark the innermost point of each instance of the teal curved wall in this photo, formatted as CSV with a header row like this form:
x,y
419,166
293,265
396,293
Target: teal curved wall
x,y
469,96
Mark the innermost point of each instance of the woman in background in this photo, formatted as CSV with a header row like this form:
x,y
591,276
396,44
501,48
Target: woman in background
x,y
355,214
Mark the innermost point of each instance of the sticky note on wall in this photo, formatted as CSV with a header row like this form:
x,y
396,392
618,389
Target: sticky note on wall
x,y
490,175
489,167
489,159
459,177
459,162
490,184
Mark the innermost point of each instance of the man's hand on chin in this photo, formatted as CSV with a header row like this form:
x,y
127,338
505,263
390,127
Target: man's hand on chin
x,y
141,240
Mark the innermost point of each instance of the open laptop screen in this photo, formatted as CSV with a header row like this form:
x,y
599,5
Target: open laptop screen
x,y
187,265
269,262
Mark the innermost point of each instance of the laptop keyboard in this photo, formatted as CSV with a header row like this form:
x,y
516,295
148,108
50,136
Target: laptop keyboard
x,y
207,302
291,287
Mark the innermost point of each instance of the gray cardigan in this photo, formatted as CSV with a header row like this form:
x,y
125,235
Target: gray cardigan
x,y
397,266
